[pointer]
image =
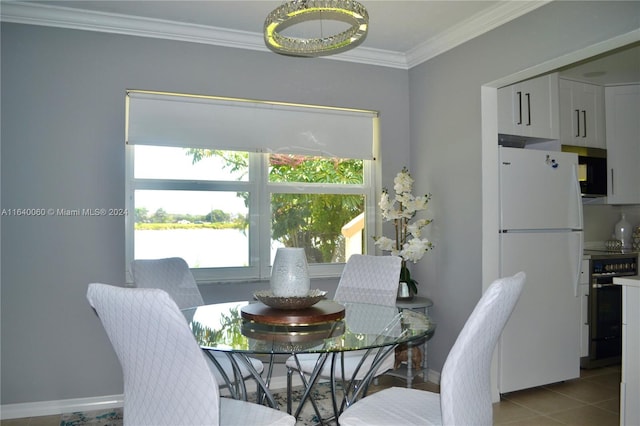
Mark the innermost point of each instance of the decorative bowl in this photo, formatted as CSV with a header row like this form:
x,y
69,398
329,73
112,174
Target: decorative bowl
x,y
295,302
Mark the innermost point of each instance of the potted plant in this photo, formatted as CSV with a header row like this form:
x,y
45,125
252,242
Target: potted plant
x,y
408,243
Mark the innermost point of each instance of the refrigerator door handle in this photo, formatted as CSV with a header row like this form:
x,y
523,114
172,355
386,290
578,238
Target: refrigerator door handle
x,y
578,196
576,280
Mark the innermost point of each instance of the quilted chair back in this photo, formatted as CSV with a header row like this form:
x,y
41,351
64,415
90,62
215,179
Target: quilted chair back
x,y
170,274
166,378
465,386
370,279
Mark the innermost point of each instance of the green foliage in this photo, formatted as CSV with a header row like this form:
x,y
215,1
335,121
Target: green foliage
x,y
218,215
161,216
229,333
405,275
310,221
296,168
141,214
151,226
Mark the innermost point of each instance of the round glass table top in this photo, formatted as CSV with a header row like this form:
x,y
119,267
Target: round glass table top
x,y
238,327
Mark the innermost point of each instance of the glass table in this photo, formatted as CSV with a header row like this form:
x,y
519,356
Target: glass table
x,y
328,329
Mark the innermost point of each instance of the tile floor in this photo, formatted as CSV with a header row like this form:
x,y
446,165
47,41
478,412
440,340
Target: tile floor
x,y
593,399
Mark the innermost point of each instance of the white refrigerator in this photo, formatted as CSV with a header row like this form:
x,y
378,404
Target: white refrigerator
x,y
541,234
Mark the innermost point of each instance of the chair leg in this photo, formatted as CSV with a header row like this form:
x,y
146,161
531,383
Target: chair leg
x,y
289,384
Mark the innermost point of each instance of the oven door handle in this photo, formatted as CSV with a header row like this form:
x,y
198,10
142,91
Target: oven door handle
x,y
595,285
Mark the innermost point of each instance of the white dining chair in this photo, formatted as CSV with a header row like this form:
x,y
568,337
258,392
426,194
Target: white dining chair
x,y
465,392
166,377
365,279
174,276
369,279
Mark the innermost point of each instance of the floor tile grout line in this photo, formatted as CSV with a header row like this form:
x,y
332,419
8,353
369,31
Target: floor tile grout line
x,y
551,414
573,397
546,413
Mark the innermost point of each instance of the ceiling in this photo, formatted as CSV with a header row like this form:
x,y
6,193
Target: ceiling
x,y
402,34
616,67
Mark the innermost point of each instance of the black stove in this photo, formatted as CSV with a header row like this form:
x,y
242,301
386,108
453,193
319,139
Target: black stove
x,y
604,309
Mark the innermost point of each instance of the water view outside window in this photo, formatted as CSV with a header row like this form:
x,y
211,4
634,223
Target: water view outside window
x,y
197,204
207,229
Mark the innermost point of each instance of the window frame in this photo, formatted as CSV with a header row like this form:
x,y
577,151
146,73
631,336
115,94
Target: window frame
x,y
260,188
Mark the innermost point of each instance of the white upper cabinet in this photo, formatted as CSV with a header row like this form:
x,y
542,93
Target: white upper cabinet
x,y
622,106
530,108
582,117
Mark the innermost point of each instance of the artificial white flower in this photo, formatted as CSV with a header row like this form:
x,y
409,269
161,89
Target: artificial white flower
x,y
393,214
404,199
403,182
415,229
417,204
408,242
415,248
384,201
385,243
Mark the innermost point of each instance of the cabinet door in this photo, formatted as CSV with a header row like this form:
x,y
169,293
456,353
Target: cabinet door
x,y
506,111
630,386
569,134
622,105
581,114
540,101
530,108
590,114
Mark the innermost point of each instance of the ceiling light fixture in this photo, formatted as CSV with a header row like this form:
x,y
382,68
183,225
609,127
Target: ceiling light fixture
x,y
297,11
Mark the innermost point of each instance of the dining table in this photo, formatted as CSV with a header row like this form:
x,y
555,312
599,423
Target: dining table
x,y
328,329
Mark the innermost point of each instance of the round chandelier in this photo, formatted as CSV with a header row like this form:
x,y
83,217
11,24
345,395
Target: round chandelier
x,y
298,11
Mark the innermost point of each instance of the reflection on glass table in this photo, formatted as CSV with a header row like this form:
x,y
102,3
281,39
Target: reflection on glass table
x,y
329,329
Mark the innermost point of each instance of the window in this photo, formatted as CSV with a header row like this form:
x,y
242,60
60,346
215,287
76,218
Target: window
x,y
226,211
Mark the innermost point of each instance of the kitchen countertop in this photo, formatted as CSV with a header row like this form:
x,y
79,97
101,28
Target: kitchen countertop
x,y
630,281
604,254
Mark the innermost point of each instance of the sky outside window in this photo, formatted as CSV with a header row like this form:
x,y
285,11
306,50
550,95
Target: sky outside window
x,y
155,162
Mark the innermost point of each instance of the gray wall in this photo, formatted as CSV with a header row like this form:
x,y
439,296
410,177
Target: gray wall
x,y
446,141
600,220
63,147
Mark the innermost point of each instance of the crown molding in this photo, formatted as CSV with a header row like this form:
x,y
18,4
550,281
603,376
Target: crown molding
x,y
72,18
477,25
78,19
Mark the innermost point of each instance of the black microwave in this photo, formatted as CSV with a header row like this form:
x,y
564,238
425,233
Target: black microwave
x,y
592,170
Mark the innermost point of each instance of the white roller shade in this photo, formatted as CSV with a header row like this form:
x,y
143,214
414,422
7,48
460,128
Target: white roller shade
x,y
228,124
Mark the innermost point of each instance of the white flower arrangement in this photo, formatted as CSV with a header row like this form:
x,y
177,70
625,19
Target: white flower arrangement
x,y
409,242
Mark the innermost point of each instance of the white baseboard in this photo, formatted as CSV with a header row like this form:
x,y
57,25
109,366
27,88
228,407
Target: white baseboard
x,y
50,408
433,377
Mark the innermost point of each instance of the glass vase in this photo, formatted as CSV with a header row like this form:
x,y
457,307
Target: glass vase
x,y
404,291
623,231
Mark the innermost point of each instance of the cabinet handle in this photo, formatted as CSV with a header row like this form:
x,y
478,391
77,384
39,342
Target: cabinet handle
x,y
577,123
529,109
613,191
519,108
584,123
